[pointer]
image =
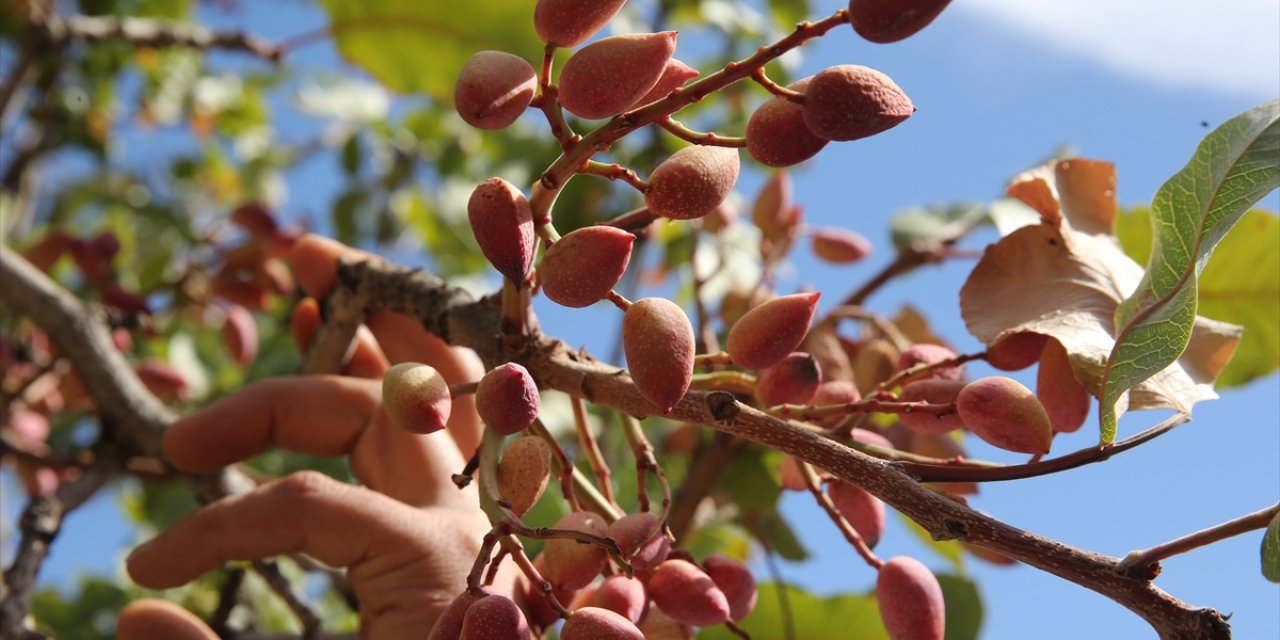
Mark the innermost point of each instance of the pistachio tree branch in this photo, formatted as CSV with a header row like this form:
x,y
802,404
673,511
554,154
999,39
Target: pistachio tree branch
x,y
149,32
1145,561
462,321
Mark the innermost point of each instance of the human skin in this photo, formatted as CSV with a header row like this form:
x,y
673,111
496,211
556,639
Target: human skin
x,y
407,536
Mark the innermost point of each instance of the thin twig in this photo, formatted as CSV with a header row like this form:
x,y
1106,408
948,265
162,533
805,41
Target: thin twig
x,y
271,574
615,171
591,449
776,89
976,471
855,539
633,220
705,138
1145,561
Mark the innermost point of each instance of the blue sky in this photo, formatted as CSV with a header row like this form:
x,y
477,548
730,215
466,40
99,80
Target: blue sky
x,y
999,85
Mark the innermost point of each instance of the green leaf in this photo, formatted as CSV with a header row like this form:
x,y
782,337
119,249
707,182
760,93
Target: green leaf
x,y
749,481
1240,285
416,47
927,225
963,605
774,531
1234,167
1271,550
812,617
786,13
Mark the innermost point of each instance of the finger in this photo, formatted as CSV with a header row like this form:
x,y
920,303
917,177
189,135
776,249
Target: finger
x,y
317,415
315,262
364,360
405,563
149,618
325,416
404,340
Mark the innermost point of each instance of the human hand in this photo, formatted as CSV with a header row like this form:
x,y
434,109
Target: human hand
x,y
407,537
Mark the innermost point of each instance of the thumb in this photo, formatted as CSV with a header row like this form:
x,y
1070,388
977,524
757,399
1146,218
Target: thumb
x,y
148,619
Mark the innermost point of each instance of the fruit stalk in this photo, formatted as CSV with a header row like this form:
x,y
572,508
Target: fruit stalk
x,y
814,484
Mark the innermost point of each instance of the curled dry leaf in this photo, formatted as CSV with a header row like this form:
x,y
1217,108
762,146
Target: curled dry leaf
x,y
1066,276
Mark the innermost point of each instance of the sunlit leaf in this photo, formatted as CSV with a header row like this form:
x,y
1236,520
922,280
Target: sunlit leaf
x,y
1241,285
415,47
1066,276
811,617
1271,550
780,537
1234,167
963,605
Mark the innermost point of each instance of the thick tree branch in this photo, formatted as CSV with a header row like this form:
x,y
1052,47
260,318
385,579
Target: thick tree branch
x,y
82,335
147,32
451,314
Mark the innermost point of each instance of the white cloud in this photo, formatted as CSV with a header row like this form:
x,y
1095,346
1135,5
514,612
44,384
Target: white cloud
x,y
1219,45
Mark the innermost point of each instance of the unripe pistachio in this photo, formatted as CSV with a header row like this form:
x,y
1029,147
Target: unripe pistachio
x,y
719,218
622,595
848,102
840,246
927,354
494,617
162,379
644,552
507,399
874,362
863,511
502,223
910,599
581,268
886,21
932,391
658,341
569,23
674,76
737,302
776,133
493,89
606,77
572,564
114,295
416,397
771,211
46,251
597,623
766,334
537,609
692,182
1064,398
736,581
1016,351
795,380
240,335
1005,414
449,625
657,625
686,593
523,473
255,218
835,392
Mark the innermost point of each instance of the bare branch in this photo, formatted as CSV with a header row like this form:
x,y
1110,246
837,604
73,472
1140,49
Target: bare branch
x,y
147,32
